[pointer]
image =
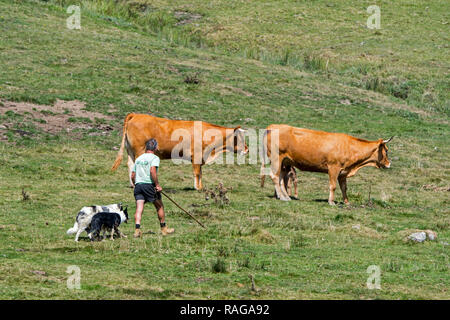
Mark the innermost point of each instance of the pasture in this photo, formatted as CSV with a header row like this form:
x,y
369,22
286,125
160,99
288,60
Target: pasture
x,y
119,63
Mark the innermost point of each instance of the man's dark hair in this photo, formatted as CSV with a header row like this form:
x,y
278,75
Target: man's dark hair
x,y
151,144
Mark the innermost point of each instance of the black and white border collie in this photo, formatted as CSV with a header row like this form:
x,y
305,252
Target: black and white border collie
x,y
107,221
85,215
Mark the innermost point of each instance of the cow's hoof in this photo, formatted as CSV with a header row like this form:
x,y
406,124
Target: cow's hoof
x,y
331,203
285,199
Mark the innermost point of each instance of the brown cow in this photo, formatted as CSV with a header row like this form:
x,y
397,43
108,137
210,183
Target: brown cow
x,y
337,154
178,136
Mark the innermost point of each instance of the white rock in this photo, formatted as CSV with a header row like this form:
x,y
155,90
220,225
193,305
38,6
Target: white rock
x,y
431,235
418,236
357,227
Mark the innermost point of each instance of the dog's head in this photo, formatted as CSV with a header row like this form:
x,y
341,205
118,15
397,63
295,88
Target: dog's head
x,y
124,209
125,212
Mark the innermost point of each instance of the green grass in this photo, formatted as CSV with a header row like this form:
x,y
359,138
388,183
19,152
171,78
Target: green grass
x,y
298,250
409,55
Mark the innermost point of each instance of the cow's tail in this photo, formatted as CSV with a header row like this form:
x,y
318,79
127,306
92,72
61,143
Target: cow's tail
x,y
73,229
263,157
122,146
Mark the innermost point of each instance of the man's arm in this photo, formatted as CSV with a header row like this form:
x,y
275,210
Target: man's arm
x,y
154,176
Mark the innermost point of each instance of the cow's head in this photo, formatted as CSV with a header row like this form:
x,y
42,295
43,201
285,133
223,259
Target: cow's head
x,y
239,144
383,161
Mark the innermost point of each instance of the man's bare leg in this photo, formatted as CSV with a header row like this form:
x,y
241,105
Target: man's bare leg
x,y
138,217
162,218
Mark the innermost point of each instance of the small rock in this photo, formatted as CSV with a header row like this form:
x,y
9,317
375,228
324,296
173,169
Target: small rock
x,y
39,272
444,243
418,236
431,235
356,227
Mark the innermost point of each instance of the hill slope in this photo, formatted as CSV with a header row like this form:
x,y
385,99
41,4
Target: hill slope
x,y
300,249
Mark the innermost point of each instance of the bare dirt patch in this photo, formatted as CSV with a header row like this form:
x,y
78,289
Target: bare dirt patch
x,y
63,116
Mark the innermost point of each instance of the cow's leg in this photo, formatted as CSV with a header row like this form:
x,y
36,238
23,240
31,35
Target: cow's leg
x,y
295,184
197,176
200,184
343,184
277,176
284,179
130,164
333,173
287,183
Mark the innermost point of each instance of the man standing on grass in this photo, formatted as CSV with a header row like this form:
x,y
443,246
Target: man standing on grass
x,y
147,188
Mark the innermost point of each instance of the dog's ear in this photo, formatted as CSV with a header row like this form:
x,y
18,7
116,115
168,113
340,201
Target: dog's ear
x,y
120,206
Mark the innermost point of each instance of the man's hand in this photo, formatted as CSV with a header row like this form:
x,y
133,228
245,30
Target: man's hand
x,y
133,179
154,176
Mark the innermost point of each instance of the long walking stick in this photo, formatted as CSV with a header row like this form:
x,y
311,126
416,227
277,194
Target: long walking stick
x,y
190,215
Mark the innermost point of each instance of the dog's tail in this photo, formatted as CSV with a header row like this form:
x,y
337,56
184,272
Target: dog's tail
x,y
263,157
73,229
124,136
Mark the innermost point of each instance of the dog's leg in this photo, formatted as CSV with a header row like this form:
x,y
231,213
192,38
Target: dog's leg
x,y
121,235
78,234
112,234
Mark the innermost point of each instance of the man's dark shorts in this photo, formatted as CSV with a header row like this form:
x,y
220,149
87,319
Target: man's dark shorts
x,y
146,192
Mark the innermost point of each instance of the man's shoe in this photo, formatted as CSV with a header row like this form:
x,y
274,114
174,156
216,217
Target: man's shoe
x,y
165,231
137,233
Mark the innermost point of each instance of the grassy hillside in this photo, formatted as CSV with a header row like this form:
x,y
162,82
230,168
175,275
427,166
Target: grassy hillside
x,y
301,249
407,58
